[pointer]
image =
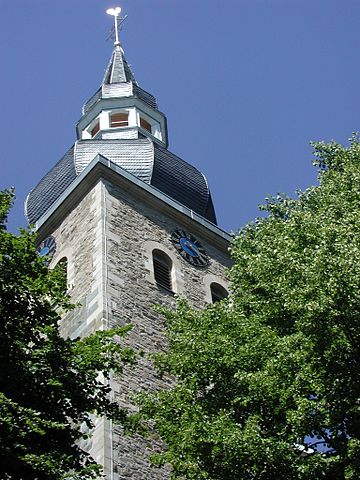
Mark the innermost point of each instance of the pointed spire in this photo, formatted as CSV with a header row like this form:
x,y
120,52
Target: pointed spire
x,y
118,70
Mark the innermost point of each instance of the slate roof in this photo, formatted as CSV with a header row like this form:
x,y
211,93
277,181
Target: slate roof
x,y
50,187
145,96
182,182
119,71
91,102
149,162
135,155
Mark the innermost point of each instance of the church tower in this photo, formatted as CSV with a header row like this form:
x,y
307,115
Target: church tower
x,y
134,225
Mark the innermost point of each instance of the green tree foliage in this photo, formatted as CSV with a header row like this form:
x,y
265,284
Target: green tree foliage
x,y
49,386
269,380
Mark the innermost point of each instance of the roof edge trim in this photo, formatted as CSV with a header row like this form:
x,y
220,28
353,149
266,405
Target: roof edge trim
x,y
101,160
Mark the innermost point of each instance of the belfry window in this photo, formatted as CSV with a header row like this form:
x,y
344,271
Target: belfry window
x,y
162,270
95,129
145,124
218,292
119,120
62,265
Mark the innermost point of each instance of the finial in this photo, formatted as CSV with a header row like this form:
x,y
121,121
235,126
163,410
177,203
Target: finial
x,y
115,12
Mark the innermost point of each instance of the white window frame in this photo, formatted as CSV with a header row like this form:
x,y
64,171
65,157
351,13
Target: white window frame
x,y
86,134
155,125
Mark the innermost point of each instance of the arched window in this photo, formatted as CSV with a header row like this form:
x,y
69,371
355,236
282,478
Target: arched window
x,y
162,270
218,292
62,264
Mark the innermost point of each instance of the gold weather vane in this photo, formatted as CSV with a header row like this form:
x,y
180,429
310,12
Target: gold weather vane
x,y
118,21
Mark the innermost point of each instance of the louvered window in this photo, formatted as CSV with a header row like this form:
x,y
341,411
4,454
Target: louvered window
x,y
162,270
218,292
119,120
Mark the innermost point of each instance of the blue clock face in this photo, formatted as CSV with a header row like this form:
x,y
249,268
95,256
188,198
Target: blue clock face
x,y
190,248
47,247
44,251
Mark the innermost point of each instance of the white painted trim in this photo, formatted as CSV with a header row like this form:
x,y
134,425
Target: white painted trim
x,y
88,176
155,125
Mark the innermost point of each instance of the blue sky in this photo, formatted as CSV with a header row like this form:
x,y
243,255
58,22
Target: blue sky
x,y
245,85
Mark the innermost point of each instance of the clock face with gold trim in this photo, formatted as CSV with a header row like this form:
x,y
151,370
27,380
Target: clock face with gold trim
x,y
190,248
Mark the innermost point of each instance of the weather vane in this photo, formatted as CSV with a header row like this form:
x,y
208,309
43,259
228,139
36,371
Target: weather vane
x,y
118,21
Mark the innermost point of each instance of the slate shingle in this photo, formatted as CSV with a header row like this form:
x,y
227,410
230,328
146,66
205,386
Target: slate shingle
x,y
149,162
50,187
146,160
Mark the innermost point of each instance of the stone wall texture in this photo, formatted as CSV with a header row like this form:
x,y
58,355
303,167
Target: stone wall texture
x,y
108,238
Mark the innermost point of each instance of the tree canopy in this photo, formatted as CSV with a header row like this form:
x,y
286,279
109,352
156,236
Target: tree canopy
x,y
269,380
49,385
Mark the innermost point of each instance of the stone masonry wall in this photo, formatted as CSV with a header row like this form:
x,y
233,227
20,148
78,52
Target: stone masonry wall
x,y
80,239
131,294
108,238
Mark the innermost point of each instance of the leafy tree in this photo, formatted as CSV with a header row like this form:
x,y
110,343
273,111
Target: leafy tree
x,y
269,380
49,385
